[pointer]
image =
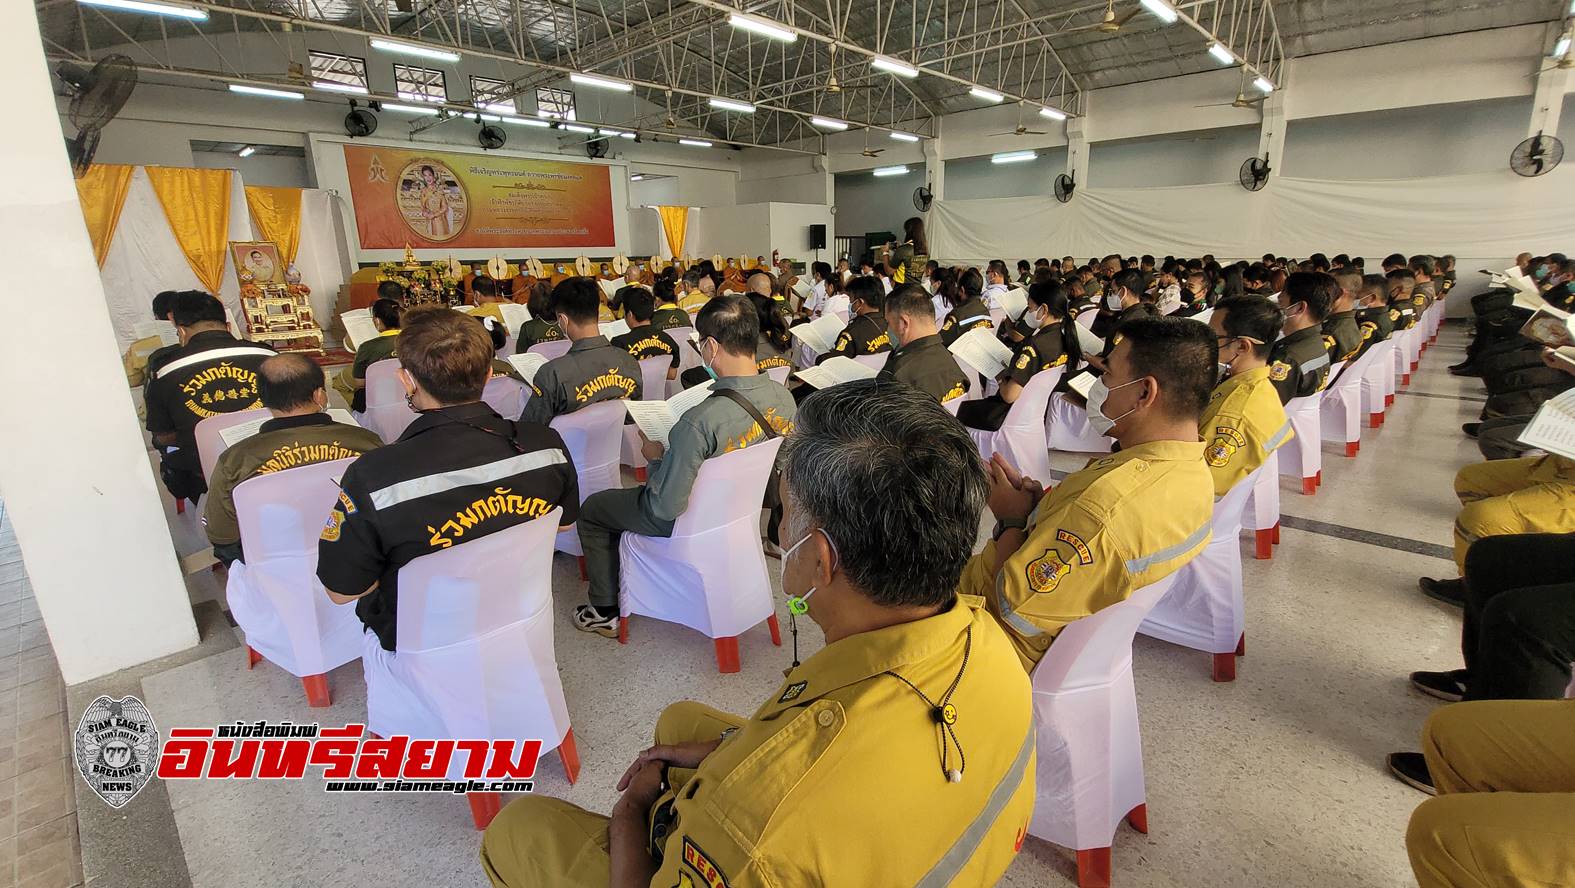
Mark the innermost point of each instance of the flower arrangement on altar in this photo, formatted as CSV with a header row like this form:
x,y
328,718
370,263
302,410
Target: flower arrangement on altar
x,y
424,284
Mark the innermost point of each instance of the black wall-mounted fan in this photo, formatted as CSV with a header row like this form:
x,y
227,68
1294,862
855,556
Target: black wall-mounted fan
x,y
1536,155
1064,186
1254,173
97,95
922,197
596,148
490,137
360,122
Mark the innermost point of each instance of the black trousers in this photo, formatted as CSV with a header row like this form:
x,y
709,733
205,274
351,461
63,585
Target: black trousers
x,y
984,413
1518,638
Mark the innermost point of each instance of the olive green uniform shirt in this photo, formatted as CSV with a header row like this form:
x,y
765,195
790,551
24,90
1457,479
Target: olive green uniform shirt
x,y
1299,364
926,365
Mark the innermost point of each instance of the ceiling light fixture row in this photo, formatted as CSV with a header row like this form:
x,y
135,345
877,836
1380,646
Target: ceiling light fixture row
x,y
1167,14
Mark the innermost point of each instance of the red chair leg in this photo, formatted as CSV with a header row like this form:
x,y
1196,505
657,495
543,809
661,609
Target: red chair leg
x,y
639,474
1405,379
776,630
1276,529
1093,868
484,806
1351,447
1137,818
727,655
569,754
1389,400
1374,420
1241,645
584,577
1309,486
1224,667
252,657
1318,478
623,630
1265,544
316,690
180,507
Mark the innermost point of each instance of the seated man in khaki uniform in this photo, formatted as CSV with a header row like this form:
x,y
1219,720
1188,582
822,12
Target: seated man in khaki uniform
x,y
902,753
593,370
917,356
1244,421
1126,520
300,434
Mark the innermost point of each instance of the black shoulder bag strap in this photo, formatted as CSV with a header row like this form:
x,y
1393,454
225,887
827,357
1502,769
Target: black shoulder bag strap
x,y
772,501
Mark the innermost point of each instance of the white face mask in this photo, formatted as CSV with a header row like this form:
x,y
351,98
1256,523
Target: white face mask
x,y
1097,393
797,604
1113,301
1032,320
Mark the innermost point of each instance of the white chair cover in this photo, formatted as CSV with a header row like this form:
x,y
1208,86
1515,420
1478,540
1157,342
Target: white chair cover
x,y
557,348
1413,345
1204,610
594,436
274,595
779,375
1067,428
1262,511
506,395
1021,437
688,358
710,575
1090,770
1087,317
475,651
387,414
1342,403
1378,379
1302,456
877,361
210,444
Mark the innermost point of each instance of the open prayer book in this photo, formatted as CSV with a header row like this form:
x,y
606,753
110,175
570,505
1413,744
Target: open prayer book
x,y
657,418
615,328
235,434
835,372
1081,382
801,288
358,329
1553,428
979,349
527,364
514,316
1013,302
820,334
1204,315
1087,341
610,288
164,330
1526,293
1550,327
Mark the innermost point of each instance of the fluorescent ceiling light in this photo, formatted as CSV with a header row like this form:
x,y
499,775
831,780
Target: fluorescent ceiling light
x,y
904,137
1052,113
892,66
613,132
263,91
891,171
980,92
1221,54
410,109
1264,84
248,151
1012,157
762,27
170,9
425,52
732,105
601,82
500,107
1562,47
636,178
698,143
1161,10
828,123
526,121
336,86
576,128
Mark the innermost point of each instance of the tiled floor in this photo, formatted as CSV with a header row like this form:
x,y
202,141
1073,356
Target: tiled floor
x,y
1275,779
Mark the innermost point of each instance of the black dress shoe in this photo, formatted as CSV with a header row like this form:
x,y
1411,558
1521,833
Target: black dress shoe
x,y
1471,429
1410,768
1448,591
1465,371
1448,686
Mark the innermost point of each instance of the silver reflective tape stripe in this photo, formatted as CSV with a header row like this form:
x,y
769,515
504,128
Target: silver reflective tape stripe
x,y
213,355
957,856
1138,565
975,319
1320,361
394,494
1279,438
1018,622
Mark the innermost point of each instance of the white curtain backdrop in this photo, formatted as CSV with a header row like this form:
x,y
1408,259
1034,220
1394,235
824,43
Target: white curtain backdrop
x,y
1481,214
145,258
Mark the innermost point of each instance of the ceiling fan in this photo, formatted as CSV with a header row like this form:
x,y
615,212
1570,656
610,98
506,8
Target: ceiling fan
x,y
1110,24
868,151
1241,101
1021,129
832,84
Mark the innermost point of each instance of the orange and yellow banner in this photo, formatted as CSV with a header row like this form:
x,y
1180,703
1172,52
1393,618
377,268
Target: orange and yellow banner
x,y
431,199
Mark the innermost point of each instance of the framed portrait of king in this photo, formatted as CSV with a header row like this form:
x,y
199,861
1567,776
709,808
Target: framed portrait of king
x,y
257,262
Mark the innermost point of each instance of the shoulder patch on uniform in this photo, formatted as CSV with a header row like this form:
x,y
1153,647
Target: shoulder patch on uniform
x,y
344,500
1280,371
1115,340
330,532
697,860
793,691
1024,358
1078,546
1328,341
1394,314
1224,445
957,391
1044,573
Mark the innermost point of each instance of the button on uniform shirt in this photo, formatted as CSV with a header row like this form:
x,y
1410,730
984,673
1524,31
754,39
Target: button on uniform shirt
x,y
593,370
713,427
926,365
864,335
453,476
213,373
668,315
647,342
965,317
1299,364
844,751
1243,424
533,332
1123,522
285,442
1342,336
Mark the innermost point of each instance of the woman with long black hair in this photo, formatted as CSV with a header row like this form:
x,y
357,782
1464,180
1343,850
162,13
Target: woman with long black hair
x,y
964,294
1053,344
908,258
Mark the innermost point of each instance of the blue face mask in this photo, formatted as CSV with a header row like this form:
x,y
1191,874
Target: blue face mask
x,y
706,365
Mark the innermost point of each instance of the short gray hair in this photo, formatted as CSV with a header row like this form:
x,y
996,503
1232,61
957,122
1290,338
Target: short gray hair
x,y
895,482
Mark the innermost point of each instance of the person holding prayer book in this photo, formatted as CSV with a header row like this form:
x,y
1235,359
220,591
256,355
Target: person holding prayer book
x,y
1053,343
865,333
592,370
542,326
645,339
730,419
918,356
963,294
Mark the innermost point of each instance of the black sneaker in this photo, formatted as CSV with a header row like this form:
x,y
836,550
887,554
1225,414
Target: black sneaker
x,y
1471,429
586,619
1448,591
1449,685
1410,768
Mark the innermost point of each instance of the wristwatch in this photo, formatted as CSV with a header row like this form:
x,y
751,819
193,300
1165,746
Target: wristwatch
x,y
1004,524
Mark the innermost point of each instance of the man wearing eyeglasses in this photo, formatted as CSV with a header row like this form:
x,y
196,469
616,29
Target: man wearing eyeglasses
x,y
1244,421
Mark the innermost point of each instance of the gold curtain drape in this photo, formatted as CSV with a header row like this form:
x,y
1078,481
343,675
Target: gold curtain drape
x,y
102,191
675,223
197,205
278,215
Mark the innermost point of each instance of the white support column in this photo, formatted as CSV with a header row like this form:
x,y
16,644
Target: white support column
x,y
935,168
1548,100
1271,133
76,479
1077,150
